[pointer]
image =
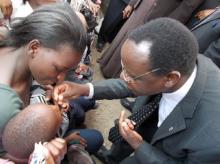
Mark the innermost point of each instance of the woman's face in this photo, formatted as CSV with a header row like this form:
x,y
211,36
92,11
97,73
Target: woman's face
x,y
49,66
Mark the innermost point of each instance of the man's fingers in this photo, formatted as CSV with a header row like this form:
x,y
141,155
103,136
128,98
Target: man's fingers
x,y
122,116
58,91
130,123
121,128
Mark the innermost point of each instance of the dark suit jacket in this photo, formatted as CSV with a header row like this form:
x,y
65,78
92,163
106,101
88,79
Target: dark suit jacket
x,y
191,133
207,33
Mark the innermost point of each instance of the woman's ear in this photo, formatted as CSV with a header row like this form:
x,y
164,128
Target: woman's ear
x,y
33,47
172,78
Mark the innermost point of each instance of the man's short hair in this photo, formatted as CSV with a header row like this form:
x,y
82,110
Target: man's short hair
x,y
173,46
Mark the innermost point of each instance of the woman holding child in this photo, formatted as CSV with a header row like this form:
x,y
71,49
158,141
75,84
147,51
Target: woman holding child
x,y
42,46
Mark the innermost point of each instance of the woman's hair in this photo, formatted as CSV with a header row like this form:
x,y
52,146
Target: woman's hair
x,y
52,25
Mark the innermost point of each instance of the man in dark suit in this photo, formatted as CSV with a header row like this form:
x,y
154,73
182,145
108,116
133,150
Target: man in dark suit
x,y
205,25
207,33
161,57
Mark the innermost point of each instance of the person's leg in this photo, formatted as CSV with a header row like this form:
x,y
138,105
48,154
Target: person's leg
x,y
76,115
120,151
86,104
113,16
116,154
129,160
94,139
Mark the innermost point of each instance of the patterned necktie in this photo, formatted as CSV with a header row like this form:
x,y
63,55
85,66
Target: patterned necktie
x,y
138,117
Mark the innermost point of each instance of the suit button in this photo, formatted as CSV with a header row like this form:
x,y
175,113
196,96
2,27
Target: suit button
x,y
170,129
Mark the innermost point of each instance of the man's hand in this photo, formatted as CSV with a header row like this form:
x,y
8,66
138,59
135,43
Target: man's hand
x,y
204,13
126,129
64,107
93,7
82,68
6,8
127,11
75,137
57,149
68,90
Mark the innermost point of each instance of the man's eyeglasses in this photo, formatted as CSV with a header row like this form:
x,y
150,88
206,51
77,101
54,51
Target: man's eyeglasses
x,y
130,79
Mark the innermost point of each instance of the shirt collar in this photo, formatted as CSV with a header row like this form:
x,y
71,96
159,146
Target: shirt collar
x,y
179,94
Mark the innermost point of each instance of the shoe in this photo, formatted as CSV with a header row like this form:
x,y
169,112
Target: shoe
x,y
103,157
95,106
127,104
100,46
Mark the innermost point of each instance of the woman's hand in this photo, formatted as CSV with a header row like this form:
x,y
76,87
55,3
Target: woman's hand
x,y
57,149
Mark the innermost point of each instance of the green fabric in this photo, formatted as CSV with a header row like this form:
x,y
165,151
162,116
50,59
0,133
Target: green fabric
x,y
10,105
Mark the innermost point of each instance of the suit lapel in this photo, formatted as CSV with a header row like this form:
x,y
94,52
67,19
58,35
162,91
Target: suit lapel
x,y
175,122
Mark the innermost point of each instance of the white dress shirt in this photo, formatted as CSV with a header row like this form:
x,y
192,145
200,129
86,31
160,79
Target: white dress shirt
x,y
170,100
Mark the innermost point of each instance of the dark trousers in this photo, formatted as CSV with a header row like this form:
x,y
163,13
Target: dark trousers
x,y
113,21
93,138
78,107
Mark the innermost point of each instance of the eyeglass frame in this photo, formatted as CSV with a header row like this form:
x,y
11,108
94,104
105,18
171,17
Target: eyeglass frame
x,y
126,76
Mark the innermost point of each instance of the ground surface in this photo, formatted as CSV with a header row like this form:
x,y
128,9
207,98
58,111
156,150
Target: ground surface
x,y
103,117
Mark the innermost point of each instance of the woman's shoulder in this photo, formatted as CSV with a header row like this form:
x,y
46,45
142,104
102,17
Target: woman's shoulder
x,y
10,102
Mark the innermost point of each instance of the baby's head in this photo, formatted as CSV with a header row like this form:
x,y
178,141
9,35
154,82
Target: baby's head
x,y
36,123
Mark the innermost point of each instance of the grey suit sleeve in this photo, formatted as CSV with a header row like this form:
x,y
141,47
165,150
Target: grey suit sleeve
x,y
147,153
208,152
213,52
184,11
111,89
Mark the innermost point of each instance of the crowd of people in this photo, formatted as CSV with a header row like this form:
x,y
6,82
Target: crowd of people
x,y
165,54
